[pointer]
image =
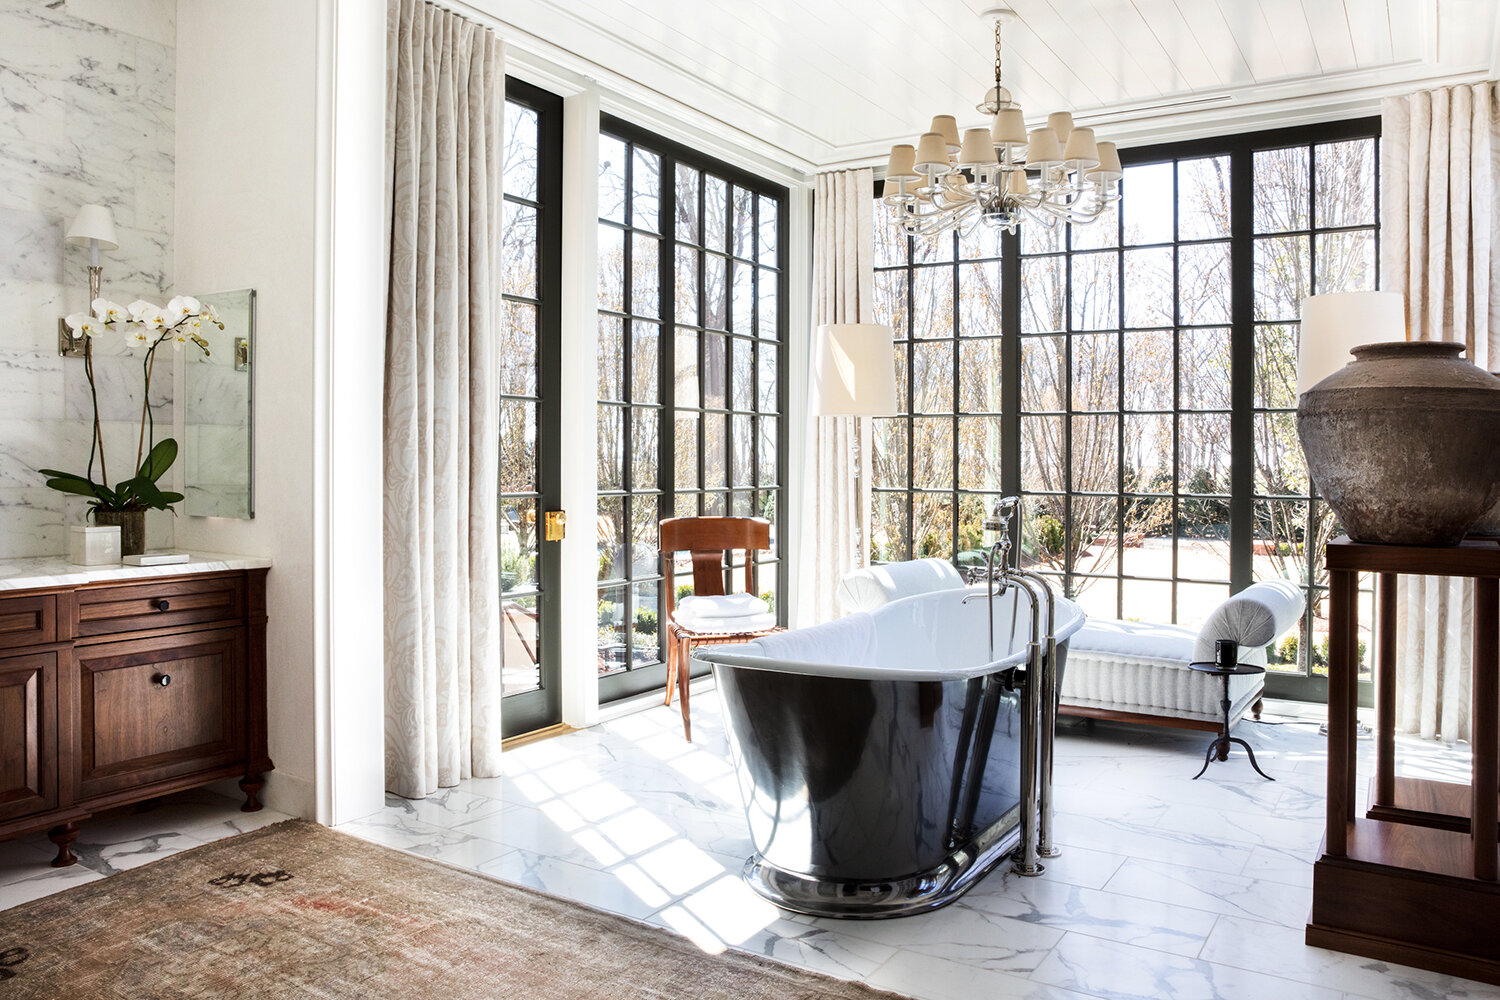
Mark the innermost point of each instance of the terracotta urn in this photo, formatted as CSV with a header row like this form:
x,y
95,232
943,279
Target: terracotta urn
x,y
1402,442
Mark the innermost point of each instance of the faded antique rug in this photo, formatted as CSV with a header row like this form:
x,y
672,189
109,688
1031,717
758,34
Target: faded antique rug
x,y
298,910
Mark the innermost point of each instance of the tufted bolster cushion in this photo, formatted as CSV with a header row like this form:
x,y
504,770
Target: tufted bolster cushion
x,y
1254,618
868,589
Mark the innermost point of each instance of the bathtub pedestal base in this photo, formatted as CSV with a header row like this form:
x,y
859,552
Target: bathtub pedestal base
x,y
937,887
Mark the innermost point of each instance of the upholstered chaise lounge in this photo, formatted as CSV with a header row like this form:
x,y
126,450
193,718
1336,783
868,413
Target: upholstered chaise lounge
x,y
1123,670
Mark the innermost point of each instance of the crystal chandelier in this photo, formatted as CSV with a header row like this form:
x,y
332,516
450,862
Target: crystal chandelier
x,y
1001,175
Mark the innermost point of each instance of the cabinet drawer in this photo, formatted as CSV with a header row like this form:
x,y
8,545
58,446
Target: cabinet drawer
x,y
28,621
168,604
28,734
157,708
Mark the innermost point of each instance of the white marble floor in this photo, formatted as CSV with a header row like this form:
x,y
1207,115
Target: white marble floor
x,y
1167,887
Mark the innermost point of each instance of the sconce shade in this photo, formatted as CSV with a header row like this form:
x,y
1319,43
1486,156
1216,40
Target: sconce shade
x,y
853,371
93,222
1334,324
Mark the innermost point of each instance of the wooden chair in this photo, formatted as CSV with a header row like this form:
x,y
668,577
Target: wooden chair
x,y
709,539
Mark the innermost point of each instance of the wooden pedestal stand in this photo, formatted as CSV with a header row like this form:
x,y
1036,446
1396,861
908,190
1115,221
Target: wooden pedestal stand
x,y
1414,880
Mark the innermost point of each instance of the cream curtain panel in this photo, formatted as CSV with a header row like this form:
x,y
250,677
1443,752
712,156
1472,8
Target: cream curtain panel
x,y
445,95
1440,247
843,292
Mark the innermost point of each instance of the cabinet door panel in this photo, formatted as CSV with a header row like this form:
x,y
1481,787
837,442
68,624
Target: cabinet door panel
x,y
136,729
28,621
28,735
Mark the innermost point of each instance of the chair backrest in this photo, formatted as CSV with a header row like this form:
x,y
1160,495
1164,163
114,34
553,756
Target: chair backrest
x,y
708,539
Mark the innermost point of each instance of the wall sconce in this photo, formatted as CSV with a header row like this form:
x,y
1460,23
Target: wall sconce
x,y
92,227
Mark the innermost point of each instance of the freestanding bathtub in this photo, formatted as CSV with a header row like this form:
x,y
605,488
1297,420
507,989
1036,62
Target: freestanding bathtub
x,y
879,756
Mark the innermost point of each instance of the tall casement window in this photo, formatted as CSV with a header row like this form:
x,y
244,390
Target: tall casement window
x,y
530,263
1133,379
692,320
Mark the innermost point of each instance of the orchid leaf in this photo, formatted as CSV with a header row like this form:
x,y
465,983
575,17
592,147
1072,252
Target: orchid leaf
x,y
159,461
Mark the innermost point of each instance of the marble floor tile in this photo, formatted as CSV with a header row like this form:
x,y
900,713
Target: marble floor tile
x,y
927,977
21,857
960,933
1216,892
1180,930
1252,944
44,882
1114,971
606,891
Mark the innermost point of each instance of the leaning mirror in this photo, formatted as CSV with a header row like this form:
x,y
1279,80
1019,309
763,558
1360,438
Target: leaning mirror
x,y
218,412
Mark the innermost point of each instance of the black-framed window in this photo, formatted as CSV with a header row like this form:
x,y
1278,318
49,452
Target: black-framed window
x,y
692,332
1145,373
937,466
529,352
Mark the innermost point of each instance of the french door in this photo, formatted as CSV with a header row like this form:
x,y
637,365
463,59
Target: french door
x,y
530,262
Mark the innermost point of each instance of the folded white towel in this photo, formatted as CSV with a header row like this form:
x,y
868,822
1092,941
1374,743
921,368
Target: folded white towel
x,y
734,623
722,606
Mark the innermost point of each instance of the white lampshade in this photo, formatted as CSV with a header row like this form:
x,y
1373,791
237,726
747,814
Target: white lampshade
x,y
947,127
1334,324
932,154
1109,163
901,165
1043,148
853,371
93,222
1017,184
1061,123
977,150
1008,129
1082,152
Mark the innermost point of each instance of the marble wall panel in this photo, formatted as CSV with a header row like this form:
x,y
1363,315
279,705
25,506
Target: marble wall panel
x,y
87,104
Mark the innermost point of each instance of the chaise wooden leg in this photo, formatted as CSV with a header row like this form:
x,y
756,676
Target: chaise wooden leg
x,y
63,836
1255,709
251,784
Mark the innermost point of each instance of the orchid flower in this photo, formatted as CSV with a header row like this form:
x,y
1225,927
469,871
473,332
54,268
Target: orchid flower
x,y
109,312
84,325
181,307
139,308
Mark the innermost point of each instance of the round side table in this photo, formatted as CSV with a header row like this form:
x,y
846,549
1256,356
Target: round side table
x,y
1221,743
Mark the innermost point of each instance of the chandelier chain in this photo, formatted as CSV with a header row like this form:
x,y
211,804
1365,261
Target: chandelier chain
x,y
998,23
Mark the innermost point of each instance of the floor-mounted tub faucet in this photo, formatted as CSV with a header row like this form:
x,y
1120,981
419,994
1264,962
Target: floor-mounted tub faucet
x,y
1040,696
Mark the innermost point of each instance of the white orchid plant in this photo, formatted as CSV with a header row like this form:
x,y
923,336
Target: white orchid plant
x,y
145,327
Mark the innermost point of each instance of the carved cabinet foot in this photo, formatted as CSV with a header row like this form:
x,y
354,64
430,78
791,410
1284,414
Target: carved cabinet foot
x,y
251,784
63,836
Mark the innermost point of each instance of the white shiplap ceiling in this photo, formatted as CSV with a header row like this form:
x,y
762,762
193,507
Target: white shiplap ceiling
x,y
826,82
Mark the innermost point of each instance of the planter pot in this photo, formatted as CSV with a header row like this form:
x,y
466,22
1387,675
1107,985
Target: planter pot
x,y
1399,442
132,528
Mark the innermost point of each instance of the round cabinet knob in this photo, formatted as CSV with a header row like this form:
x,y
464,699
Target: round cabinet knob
x,y
163,604
162,680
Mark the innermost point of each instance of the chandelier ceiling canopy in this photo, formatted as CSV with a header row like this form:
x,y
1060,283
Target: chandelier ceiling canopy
x,y
1003,174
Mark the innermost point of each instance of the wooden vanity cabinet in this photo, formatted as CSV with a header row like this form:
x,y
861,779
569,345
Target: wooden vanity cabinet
x,y
118,692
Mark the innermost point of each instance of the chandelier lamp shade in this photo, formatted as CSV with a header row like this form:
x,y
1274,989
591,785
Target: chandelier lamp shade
x,y
1000,175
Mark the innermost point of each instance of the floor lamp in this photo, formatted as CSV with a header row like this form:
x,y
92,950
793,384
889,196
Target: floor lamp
x,y
854,375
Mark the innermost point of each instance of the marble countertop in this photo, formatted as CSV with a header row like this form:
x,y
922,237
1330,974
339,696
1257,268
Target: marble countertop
x,y
56,571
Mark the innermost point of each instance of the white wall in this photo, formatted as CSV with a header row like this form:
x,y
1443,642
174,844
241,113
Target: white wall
x,y
246,202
